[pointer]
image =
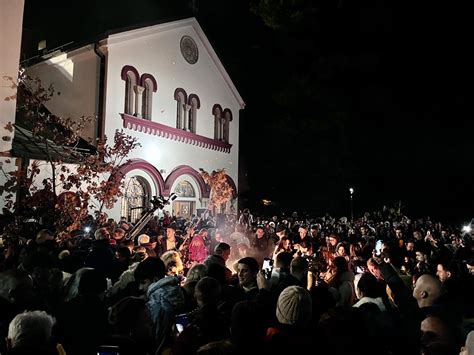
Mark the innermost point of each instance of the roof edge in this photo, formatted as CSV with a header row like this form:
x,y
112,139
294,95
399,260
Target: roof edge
x,y
118,37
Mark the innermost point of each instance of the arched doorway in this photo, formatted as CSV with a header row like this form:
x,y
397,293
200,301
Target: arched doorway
x,y
185,205
135,199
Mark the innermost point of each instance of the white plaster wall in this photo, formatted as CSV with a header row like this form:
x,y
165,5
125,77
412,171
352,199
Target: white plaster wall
x,y
159,55
46,172
11,19
74,76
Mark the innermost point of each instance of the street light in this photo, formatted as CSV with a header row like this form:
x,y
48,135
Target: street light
x,y
351,191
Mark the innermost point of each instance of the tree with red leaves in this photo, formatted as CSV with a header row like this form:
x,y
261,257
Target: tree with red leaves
x,y
77,183
221,191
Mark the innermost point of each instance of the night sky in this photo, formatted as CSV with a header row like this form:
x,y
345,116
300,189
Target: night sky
x,y
368,94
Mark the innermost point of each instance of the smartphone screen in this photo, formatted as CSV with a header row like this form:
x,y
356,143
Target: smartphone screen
x,y
182,321
108,350
267,267
378,247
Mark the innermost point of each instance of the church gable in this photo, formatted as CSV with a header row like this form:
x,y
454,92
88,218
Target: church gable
x,y
167,81
182,50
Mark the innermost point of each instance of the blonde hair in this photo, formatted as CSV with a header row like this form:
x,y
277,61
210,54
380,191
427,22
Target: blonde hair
x,y
170,259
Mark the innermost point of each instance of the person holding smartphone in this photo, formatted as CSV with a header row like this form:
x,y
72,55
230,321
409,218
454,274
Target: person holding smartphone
x,y
205,324
164,298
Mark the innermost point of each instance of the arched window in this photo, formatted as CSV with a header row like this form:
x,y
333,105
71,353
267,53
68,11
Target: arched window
x,y
135,199
226,125
181,101
129,97
195,104
217,113
149,85
147,100
185,205
130,76
184,189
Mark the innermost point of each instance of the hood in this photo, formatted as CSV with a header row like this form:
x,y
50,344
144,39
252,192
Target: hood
x,y
165,282
378,301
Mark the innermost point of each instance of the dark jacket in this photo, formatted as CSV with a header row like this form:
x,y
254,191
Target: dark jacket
x,y
101,257
207,325
165,300
162,244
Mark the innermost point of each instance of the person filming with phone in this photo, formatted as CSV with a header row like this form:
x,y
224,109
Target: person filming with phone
x,y
206,323
164,297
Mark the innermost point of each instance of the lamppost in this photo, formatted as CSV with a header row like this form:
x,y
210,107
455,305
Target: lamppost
x,y
351,191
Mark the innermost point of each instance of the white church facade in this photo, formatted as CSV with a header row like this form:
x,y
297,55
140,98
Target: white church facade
x,y
164,85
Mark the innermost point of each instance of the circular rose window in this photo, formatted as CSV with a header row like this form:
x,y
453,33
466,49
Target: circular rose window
x,y
189,50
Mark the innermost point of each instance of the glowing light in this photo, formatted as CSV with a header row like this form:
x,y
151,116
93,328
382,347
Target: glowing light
x,y
266,202
467,229
351,190
152,153
87,229
64,64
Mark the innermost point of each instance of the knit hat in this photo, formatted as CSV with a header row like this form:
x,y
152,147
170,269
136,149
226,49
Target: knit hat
x,y
294,306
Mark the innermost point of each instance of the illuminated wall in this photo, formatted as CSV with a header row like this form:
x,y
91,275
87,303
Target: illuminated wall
x,y
154,50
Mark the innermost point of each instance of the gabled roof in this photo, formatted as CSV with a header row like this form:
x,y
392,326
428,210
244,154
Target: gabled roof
x,y
119,37
26,145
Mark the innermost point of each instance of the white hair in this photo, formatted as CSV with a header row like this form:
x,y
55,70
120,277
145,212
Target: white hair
x,y
469,347
30,328
101,233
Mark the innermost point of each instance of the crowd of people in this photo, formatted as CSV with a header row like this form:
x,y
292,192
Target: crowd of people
x,y
380,284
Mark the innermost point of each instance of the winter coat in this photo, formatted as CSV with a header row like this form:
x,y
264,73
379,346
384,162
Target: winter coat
x,y
165,300
197,249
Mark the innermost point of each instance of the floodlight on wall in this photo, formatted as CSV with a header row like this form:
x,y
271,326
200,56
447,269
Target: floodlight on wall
x,y
42,45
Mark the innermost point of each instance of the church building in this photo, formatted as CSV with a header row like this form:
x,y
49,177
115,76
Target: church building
x,y
165,85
